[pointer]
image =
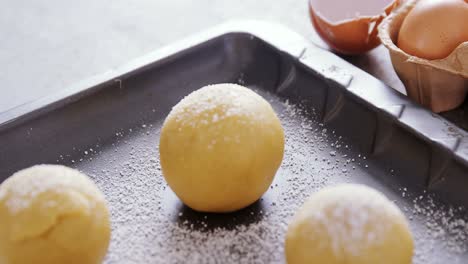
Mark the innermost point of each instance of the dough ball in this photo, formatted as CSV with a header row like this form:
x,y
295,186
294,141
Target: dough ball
x,y
351,224
51,214
220,148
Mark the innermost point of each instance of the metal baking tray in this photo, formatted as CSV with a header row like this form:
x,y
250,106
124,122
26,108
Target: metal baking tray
x,y
341,124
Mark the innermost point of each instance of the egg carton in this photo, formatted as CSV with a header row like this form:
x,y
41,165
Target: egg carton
x,y
439,85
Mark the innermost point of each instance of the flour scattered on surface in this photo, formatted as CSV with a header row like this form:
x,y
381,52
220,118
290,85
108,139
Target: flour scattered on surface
x,y
150,225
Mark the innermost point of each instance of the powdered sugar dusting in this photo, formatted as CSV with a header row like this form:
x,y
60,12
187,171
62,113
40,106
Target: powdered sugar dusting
x,y
354,217
216,102
20,190
150,225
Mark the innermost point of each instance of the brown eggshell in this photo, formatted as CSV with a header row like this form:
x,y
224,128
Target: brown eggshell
x,y
353,36
440,85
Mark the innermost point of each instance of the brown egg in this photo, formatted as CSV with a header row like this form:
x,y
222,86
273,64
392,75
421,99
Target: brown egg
x,y
350,27
440,85
434,28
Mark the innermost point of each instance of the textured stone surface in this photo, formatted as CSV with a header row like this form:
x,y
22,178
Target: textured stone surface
x,y
48,45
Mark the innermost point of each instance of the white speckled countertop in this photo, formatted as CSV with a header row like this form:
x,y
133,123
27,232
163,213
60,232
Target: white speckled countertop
x,y
49,45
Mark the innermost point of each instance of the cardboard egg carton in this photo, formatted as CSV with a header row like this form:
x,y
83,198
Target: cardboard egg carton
x,y
440,85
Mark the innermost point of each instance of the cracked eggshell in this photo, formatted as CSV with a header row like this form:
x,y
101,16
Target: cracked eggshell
x,y
350,27
440,85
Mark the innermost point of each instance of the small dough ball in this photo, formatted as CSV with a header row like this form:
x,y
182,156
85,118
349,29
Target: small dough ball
x,y
349,224
51,214
220,148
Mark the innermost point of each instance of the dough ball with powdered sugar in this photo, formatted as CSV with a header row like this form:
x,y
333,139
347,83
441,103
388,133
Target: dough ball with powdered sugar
x,y
349,224
220,148
51,214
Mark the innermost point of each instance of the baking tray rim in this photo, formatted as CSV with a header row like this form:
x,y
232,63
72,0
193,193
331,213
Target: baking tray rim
x,y
289,42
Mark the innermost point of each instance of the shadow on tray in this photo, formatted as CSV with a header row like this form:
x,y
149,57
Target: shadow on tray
x,y
192,219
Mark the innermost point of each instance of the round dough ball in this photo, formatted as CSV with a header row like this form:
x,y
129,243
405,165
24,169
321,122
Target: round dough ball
x,y
220,148
51,214
351,224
